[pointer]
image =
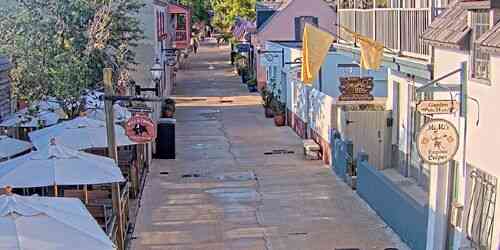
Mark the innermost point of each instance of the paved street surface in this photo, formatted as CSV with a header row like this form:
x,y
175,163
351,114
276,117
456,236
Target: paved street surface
x,y
224,192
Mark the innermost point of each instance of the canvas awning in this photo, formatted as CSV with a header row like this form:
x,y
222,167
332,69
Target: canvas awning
x,y
47,223
58,165
79,133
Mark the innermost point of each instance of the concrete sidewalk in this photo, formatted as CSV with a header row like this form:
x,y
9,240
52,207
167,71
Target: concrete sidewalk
x,y
224,192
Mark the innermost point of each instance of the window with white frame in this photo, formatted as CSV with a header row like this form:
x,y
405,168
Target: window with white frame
x,y
480,23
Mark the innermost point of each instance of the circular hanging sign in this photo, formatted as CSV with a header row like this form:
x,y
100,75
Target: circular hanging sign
x,y
140,128
437,142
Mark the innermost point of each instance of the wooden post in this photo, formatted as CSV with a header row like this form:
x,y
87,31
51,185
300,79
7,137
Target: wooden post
x,y
134,179
85,194
110,126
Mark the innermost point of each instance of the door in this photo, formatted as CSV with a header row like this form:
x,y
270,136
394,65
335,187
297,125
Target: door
x,y
370,132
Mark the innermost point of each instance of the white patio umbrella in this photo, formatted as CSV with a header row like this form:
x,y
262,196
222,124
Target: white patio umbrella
x,y
57,165
121,113
10,146
48,223
79,133
24,120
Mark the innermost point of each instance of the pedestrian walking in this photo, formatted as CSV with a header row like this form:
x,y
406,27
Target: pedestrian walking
x,y
194,44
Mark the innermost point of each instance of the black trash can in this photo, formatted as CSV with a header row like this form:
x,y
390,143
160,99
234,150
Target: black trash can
x,y
165,140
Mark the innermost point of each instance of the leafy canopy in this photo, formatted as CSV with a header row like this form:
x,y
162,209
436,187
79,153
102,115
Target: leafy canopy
x,y
59,47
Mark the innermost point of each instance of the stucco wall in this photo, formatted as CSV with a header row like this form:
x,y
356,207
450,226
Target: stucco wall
x,y
145,50
281,26
483,140
330,74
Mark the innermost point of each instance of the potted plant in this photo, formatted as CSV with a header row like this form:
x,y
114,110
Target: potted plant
x,y
267,98
279,112
252,85
168,108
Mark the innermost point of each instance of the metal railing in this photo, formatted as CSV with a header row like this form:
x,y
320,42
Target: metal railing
x,y
180,35
399,29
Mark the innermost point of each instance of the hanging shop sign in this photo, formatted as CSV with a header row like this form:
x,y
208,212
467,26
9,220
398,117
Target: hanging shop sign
x,y
437,142
437,107
140,128
356,89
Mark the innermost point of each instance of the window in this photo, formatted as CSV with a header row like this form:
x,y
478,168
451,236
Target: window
x,y
480,23
481,208
300,22
181,22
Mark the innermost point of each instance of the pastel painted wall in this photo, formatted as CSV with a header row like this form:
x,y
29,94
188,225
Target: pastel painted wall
x,y
330,73
320,113
483,139
281,26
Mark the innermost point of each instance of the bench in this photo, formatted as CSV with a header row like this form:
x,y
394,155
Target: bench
x,y
94,196
312,150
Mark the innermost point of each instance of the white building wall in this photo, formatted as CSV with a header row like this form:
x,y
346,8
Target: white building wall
x,y
483,139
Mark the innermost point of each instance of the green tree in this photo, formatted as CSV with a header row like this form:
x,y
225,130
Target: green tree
x,y
226,12
199,9
59,47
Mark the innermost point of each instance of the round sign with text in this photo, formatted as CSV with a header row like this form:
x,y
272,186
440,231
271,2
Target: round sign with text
x,y
140,128
437,142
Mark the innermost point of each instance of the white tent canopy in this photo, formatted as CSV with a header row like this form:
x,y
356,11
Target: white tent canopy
x,y
79,133
10,147
46,223
121,114
24,120
58,165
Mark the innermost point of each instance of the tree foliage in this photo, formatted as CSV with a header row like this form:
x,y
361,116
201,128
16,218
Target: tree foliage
x,y
199,9
59,47
226,12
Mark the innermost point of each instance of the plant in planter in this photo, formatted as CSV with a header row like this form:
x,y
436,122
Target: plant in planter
x,y
240,63
252,85
279,112
267,99
168,109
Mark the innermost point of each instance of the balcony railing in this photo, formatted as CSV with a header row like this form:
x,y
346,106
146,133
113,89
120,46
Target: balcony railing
x,y
399,29
180,36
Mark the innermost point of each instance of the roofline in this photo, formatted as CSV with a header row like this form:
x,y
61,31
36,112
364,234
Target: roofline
x,y
277,12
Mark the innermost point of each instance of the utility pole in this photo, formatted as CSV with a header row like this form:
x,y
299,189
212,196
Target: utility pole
x,y
110,126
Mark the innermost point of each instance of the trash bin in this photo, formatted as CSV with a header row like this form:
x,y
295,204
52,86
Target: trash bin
x,y
165,140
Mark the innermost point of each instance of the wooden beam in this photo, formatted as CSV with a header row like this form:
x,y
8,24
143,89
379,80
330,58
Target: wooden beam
x,y
110,126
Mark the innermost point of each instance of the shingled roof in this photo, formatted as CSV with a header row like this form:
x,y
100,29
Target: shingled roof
x,y
450,29
490,41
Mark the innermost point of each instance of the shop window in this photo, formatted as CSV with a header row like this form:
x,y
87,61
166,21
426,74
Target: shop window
x,y
480,22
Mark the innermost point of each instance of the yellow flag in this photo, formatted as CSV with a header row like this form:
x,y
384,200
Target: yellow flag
x,y
372,53
315,46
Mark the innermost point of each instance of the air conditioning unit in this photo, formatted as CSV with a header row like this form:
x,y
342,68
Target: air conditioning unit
x,y
456,214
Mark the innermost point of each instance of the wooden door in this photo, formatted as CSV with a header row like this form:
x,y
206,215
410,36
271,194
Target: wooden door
x,y
370,133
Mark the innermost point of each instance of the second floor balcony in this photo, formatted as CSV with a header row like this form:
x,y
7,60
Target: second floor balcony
x,y
399,29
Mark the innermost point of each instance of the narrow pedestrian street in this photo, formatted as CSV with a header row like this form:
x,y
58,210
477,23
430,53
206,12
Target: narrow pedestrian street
x,y
226,190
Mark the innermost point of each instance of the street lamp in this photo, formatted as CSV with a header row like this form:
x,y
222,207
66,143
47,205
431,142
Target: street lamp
x,y
156,71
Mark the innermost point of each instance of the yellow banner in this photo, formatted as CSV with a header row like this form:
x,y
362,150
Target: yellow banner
x,y
315,46
372,51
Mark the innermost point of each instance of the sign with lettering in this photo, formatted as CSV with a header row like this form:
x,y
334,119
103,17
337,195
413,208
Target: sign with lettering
x,y
437,107
356,89
140,128
437,142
